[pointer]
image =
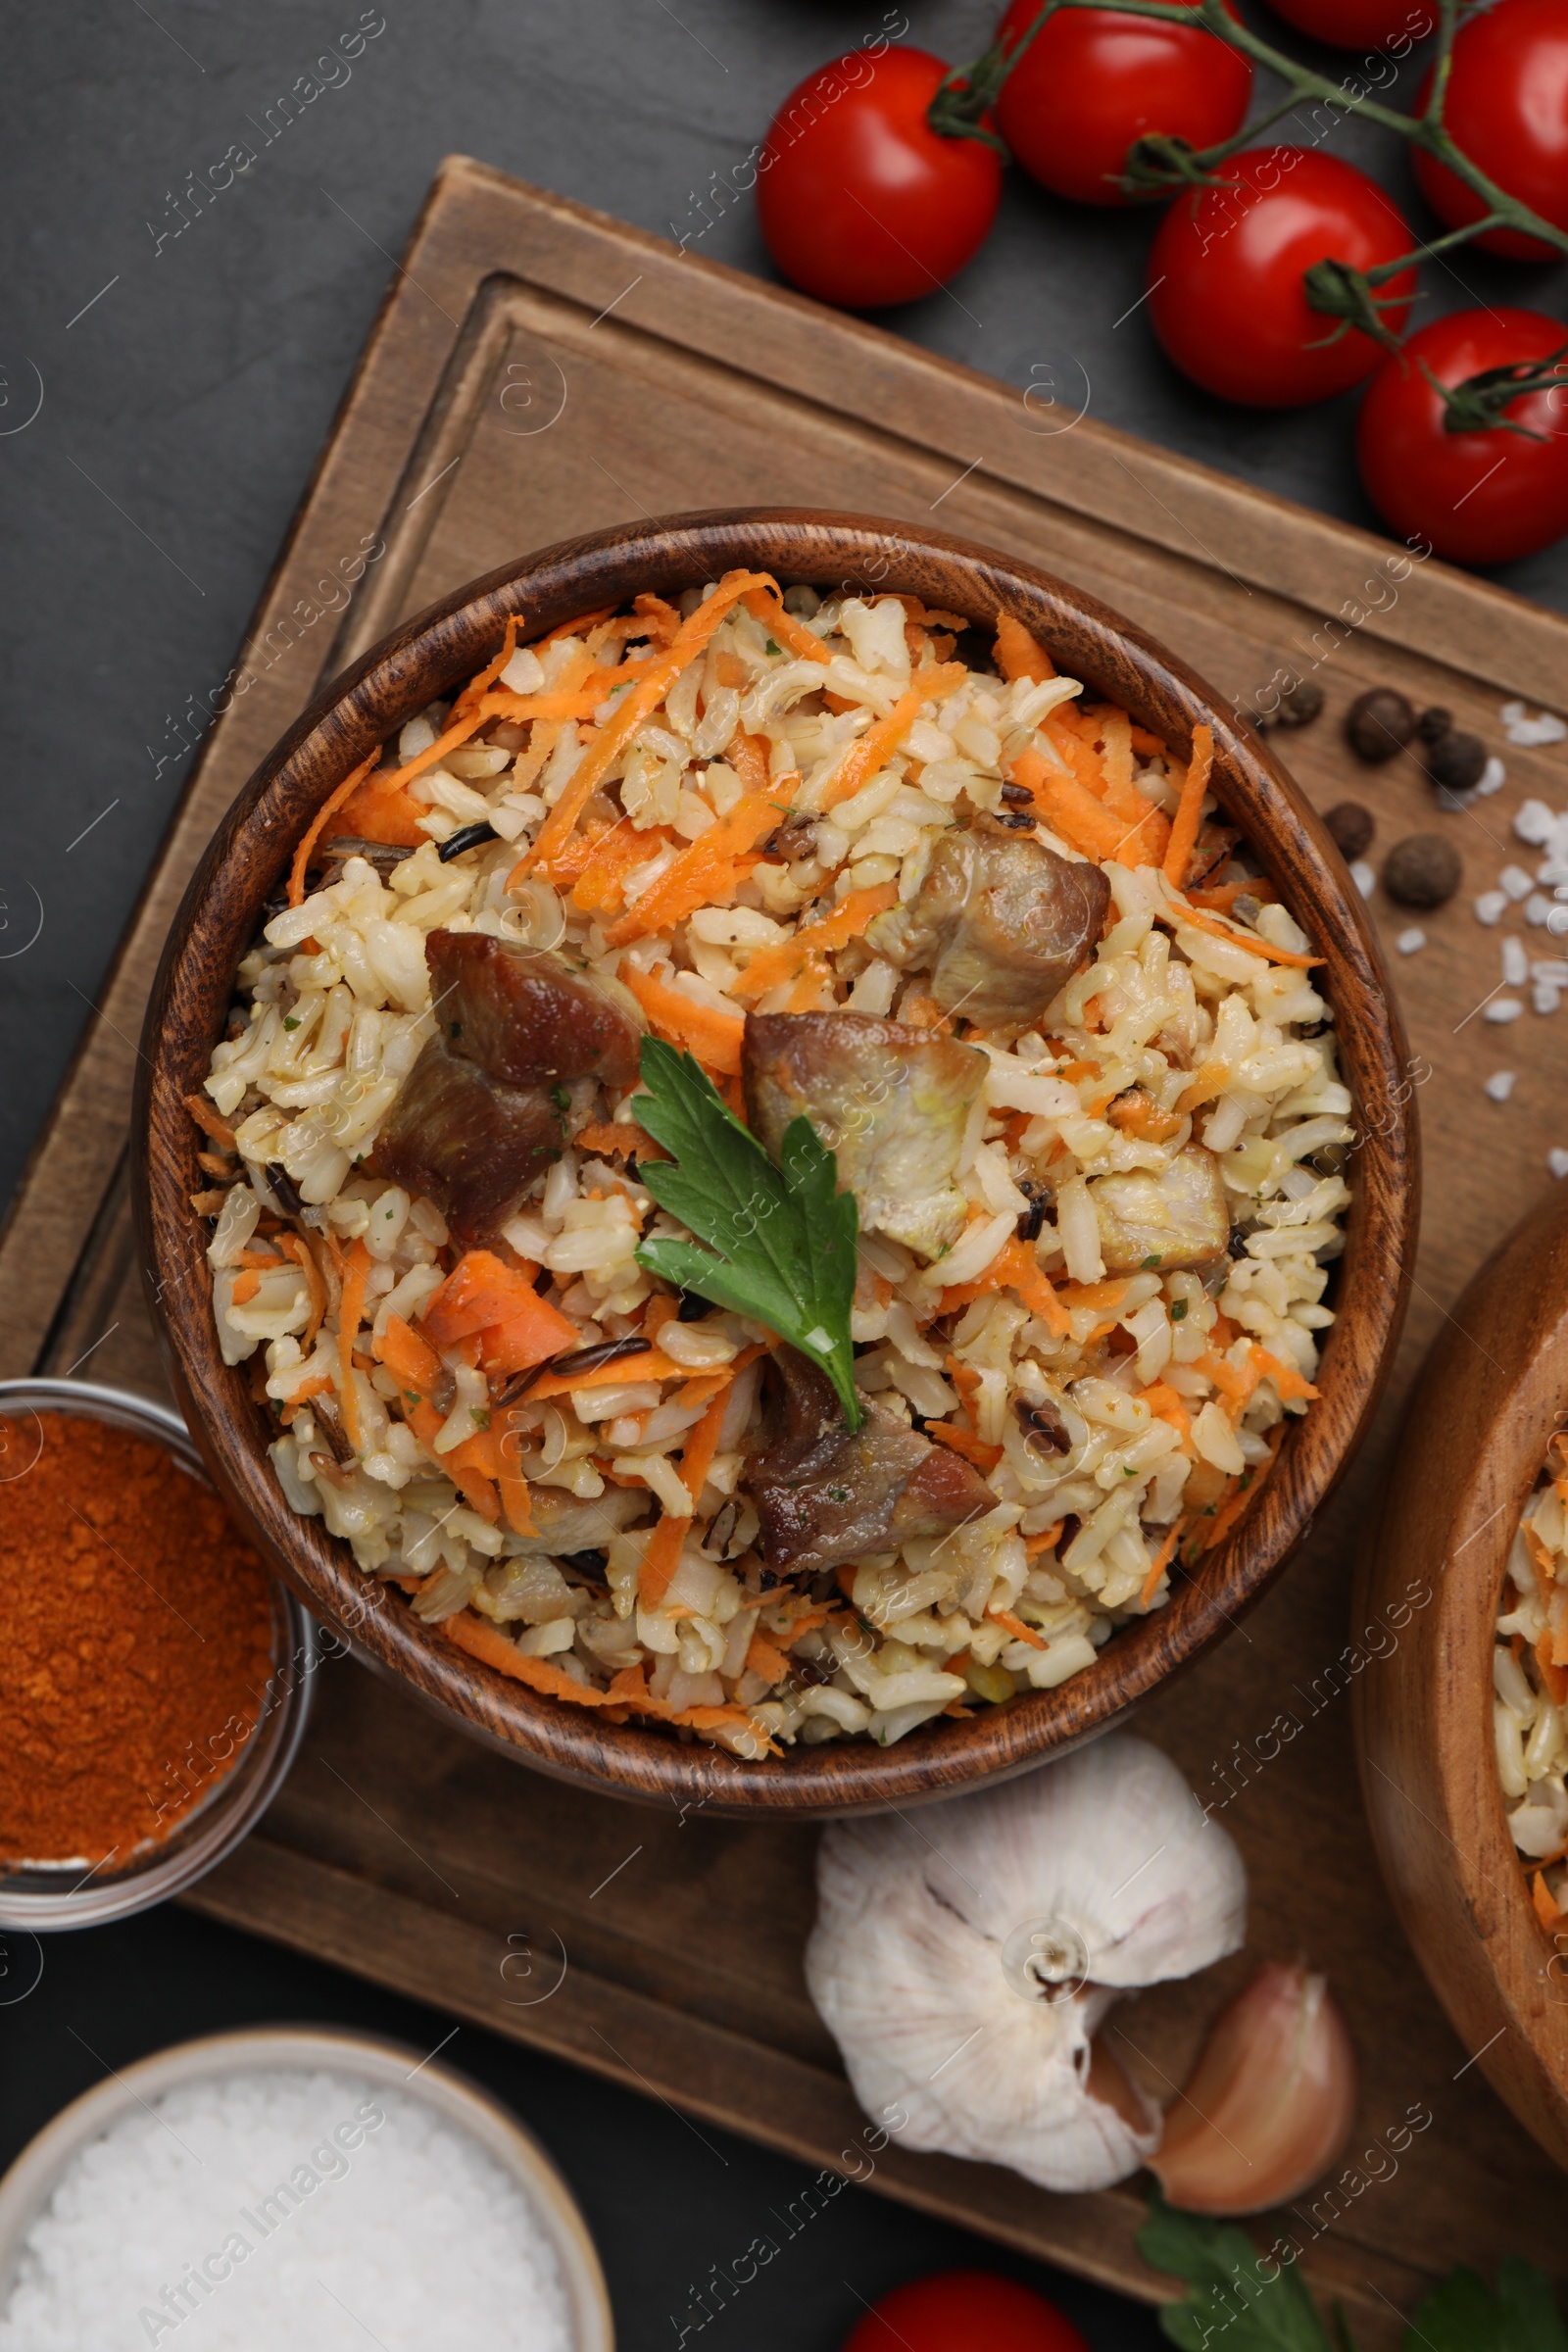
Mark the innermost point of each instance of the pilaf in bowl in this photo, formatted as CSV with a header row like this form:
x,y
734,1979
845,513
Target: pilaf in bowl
x,y
521,1222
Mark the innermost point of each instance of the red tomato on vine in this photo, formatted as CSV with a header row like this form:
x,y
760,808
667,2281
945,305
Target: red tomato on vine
x,y
965,2311
1225,275
1091,81
860,200
1479,496
1362,24
1507,108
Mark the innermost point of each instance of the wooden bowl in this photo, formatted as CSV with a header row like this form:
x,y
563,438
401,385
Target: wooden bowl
x,y
1492,1394
435,653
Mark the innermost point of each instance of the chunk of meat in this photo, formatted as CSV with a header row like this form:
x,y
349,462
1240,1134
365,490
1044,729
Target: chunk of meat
x,y
466,1142
824,1496
477,1117
1001,923
891,1101
524,1016
1177,1218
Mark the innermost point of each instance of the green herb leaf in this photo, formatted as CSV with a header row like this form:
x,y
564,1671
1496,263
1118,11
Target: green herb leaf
x,y
1463,2315
1246,2298
781,1240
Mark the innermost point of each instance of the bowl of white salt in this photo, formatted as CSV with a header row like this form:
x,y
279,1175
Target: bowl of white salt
x,y
318,2189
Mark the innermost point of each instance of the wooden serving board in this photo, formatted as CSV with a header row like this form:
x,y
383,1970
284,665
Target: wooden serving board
x,y
538,370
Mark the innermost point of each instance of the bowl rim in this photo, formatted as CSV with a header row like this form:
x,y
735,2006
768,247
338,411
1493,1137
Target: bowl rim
x,y
235,1804
1492,1394
27,2185
445,644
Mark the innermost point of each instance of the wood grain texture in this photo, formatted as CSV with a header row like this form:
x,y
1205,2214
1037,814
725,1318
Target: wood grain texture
x,y
1495,1390
427,659
701,387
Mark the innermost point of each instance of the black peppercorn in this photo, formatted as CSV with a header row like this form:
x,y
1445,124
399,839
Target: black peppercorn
x,y
1350,827
1457,762
1434,725
1379,723
1423,871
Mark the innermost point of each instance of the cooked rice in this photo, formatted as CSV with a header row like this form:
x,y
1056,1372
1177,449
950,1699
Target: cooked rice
x,y
1530,1679
1173,1387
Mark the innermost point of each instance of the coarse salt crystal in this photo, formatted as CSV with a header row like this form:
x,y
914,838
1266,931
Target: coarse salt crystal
x,y
1500,1085
1411,942
1491,906
1515,963
308,2207
1534,822
1504,1008
1521,729
1364,876
1515,881
1546,995
1558,1160
1493,776
1538,908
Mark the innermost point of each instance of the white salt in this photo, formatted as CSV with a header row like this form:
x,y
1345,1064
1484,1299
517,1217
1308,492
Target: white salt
x,y
1521,729
1546,995
1492,906
1537,910
1515,881
1558,1160
306,2210
1515,961
1500,1009
1411,942
1364,876
1535,822
1500,1085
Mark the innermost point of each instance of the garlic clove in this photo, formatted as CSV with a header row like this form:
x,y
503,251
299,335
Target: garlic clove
x,y
1269,2103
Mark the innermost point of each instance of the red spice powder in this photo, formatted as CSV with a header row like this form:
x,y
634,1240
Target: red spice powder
x,y
136,1638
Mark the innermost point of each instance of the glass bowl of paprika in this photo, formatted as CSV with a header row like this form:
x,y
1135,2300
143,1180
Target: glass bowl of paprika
x,y
155,1677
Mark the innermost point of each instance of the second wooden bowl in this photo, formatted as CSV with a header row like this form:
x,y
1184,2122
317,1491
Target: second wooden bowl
x,y
428,658
1493,1390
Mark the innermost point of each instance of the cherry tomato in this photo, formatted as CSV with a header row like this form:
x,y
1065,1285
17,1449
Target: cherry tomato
x,y
860,200
1479,497
1361,23
965,2311
1091,81
1225,276
1507,109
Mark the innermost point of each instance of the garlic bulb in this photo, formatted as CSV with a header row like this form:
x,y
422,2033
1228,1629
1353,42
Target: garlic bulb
x,y
964,1959
1269,2103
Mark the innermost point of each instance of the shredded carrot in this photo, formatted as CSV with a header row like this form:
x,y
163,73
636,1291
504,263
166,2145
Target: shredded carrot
x,y
1168,1405
1206,1083
661,1560
963,1441
381,810
1017,1628
333,801
1071,809
1017,1268
1554,1677
1545,1902
410,1359
1102,1296
715,1037
350,1315
626,1371
619,1137
697,1455
875,747
794,635
1019,654
1046,1540
746,755
707,872
635,709
1290,1384
601,874
210,1120
1189,913
1190,807
1157,1566
474,688
246,1286
772,965
766,1661
492,1648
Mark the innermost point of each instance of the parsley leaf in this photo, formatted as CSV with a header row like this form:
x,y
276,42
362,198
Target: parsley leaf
x,y
1238,2294
1462,2315
1242,2301
781,1240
